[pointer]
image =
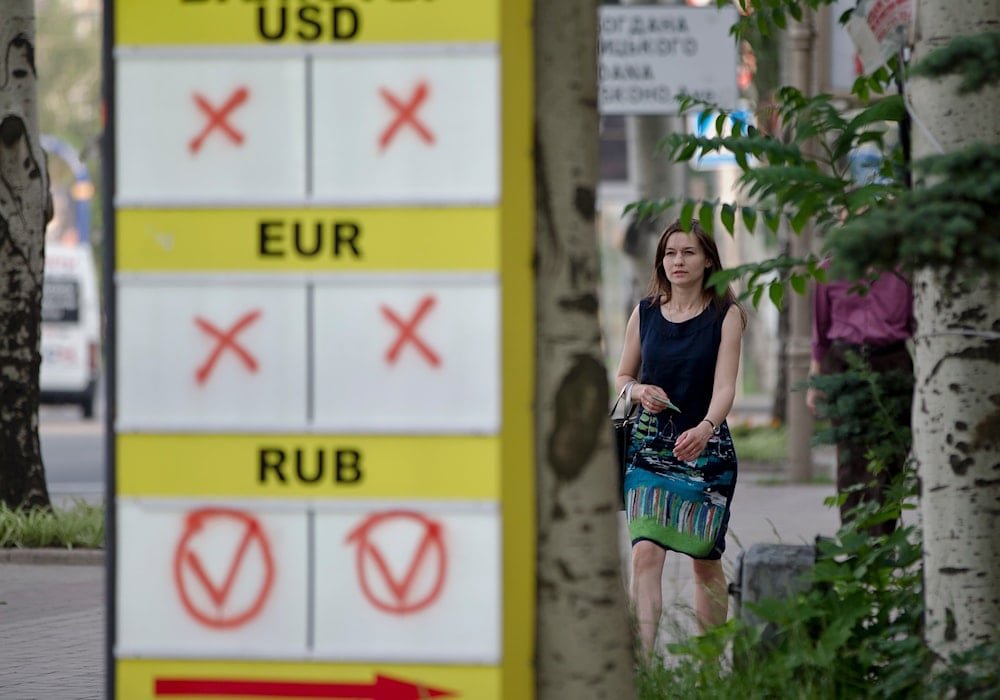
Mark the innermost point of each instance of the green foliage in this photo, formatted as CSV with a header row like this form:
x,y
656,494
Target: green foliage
x,y
971,675
856,632
953,221
864,406
800,174
799,177
768,16
79,526
760,444
975,58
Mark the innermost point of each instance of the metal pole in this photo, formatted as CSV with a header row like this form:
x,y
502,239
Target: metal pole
x,y
798,349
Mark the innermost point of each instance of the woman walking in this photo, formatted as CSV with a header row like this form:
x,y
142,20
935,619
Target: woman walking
x,y
681,355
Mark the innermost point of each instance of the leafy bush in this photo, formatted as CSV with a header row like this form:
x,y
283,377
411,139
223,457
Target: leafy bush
x,y
856,632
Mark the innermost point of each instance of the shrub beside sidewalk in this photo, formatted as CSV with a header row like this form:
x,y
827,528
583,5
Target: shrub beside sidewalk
x,y
79,527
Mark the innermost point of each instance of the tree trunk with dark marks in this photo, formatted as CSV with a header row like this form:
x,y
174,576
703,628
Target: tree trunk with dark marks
x,y
583,632
956,411
25,209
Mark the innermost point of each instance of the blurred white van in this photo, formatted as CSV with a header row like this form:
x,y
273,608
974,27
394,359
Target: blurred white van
x,y
71,327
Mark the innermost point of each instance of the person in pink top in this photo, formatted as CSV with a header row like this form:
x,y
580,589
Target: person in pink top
x,y
874,326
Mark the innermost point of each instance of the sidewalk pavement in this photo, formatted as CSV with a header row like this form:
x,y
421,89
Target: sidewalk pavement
x,y
52,602
52,616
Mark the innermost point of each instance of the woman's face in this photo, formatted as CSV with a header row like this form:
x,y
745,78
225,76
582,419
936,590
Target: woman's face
x,y
684,261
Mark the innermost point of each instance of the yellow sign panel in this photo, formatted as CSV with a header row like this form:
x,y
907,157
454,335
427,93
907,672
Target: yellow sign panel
x,y
303,22
315,240
334,467
308,466
156,680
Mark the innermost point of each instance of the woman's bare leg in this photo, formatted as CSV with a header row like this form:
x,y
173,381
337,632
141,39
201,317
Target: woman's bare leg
x,y
646,590
711,593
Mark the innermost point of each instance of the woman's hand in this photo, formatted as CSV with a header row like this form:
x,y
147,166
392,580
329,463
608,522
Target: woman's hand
x,y
652,398
692,442
813,396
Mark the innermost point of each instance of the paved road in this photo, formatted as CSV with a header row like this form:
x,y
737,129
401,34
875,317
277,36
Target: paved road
x,y
73,453
52,616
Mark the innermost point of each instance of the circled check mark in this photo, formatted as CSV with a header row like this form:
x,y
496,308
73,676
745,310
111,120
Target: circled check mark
x,y
213,605
219,595
431,547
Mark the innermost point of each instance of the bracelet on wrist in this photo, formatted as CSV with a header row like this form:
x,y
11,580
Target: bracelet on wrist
x,y
715,428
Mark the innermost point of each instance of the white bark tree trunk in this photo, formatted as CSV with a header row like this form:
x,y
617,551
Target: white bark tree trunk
x,y
584,639
956,415
25,209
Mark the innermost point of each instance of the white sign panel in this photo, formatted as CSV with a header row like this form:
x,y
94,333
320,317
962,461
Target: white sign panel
x,y
408,357
406,129
407,585
649,56
209,130
203,355
879,30
400,582
210,580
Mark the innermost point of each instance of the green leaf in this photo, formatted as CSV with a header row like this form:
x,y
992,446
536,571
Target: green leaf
x,y
687,152
889,109
798,283
776,291
720,122
750,219
763,26
707,217
741,159
757,294
772,217
801,218
728,215
687,215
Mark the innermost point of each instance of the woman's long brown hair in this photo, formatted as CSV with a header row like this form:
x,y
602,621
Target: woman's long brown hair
x,y
659,285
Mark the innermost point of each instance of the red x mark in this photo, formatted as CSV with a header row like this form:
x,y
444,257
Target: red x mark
x,y
217,118
407,115
407,333
226,340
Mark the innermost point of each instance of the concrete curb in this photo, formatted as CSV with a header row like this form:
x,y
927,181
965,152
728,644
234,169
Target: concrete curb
x,y
51,555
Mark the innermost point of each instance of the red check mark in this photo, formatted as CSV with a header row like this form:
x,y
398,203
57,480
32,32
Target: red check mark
x,y
219,595
431,547
401,589
196,586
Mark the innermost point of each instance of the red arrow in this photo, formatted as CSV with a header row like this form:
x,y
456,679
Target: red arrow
x,y
384,688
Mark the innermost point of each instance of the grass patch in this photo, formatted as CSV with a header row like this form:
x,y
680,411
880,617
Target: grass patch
x,y
760,443
81,526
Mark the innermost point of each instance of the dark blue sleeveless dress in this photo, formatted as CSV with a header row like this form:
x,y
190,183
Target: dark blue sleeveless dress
x,y
681,506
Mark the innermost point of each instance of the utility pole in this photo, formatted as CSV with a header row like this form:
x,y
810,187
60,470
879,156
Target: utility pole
x,y
798,349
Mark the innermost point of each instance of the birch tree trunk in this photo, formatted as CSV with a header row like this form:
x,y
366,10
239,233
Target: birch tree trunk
x,y
25,209
584,639
956,416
